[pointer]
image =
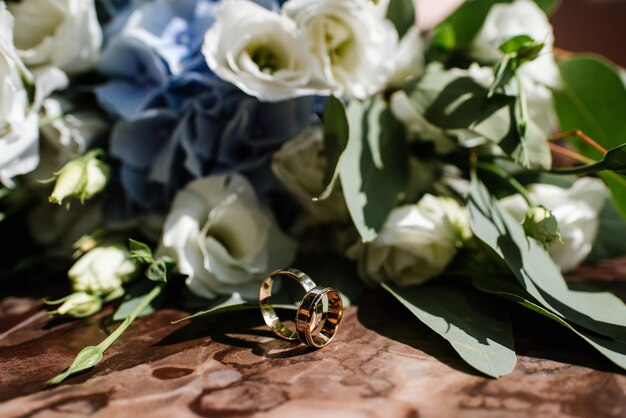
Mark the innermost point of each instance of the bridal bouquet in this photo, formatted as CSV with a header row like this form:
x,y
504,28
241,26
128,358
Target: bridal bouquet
x,y
458,167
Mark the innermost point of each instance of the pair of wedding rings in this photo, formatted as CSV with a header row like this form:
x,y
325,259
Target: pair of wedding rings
x,y
318,315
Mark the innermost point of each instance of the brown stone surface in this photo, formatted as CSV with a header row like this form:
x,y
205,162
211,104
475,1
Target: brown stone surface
x,y
382,364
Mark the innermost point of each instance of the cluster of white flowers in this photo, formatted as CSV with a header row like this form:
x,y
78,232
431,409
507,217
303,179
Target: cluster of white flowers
x,y
346,47
40,42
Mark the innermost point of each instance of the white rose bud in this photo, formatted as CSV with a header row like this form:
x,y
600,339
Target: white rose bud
x,y
222,238
540,224
353,44
81,178
78,305
416,244
576,211
58,33
259,51
102,270
300,165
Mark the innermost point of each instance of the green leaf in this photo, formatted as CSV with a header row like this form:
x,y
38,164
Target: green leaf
x,y
140,252
593,99
336,133
610,242
372,190
601,312
451,102
133,298
479,330
444,38
615,159
222,304
402,14
614,350
468,19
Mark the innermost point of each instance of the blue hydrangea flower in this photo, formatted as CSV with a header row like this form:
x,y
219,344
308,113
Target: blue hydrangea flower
x,y
177,120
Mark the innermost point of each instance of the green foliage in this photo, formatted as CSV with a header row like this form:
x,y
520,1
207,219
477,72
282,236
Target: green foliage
x,y
478,328
468,19
92,355
601,313
156,270
613,349
453,101
374,167
402,14
593,100
610,242
336,131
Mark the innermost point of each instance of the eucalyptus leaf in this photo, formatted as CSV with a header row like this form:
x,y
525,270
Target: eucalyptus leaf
x,y
592,99
372,191
615,159
614,350
402,14
610,242
452,101
479,329
336,131
601,312
134,297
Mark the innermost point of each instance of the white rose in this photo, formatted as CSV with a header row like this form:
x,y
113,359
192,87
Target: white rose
x,y
18,125
259,51
521,17
300,165
416,243
222,238
353,44
576,210
102,270
65,133
59,33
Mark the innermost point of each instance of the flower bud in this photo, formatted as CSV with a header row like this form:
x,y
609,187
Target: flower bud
x,y
78,305
102,270
81,178
540,224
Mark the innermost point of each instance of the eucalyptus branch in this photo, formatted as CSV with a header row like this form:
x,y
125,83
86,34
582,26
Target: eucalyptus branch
x,y
92,355
581,169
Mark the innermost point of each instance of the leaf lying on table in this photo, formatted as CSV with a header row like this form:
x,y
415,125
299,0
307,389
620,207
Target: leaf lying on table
x,y
478,329
600,312
614,350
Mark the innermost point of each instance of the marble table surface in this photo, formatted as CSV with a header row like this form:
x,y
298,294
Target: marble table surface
x,y
380,365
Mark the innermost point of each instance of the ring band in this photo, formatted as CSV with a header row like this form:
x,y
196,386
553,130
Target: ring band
x,y
265,301
308,310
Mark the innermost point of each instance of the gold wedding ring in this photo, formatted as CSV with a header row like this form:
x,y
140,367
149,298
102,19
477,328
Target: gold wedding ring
x,y
265,300
306,316
318,315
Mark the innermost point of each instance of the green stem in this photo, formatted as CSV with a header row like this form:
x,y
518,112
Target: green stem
x,y
90,356
104,345
507,179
